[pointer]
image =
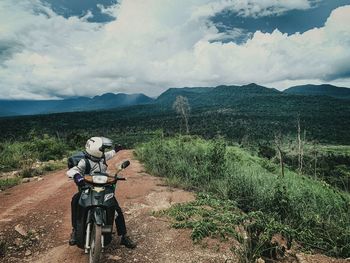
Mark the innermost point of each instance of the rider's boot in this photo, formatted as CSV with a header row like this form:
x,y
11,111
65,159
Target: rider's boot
x,y
73,239
126,241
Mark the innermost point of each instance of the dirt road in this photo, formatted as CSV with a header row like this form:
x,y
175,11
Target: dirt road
x,y
40,210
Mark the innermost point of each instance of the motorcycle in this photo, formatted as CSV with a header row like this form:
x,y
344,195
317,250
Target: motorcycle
x,y
96,212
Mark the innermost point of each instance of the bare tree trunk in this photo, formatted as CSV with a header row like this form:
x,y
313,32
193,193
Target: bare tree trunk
x,y
182,107
299,147
186,121
58,135
302,153
181,126
281,161
280,155
315,160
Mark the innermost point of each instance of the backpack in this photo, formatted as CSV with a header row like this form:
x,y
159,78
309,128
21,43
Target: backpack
x,y
75,159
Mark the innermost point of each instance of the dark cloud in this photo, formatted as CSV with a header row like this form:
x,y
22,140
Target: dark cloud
x,y
343,72
7,49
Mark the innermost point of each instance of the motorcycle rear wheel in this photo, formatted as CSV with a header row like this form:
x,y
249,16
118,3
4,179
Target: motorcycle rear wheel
x,y
95,244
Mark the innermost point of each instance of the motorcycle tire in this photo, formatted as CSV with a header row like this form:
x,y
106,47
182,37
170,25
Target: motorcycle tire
x,y
95,244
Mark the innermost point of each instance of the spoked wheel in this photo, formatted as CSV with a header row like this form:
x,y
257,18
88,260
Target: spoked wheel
x,y
95,244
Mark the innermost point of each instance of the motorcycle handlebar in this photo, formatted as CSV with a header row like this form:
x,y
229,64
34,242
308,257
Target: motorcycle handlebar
x,y
116,178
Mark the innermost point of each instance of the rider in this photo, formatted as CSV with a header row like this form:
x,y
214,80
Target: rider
x,y
96,156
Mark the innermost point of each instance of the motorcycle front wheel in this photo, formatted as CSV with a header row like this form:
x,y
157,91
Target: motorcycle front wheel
x,y
95,244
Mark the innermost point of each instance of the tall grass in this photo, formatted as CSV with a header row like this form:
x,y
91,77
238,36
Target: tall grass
x,y
315,214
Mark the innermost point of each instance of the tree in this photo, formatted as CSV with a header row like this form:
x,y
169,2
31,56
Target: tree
x,y
300,148
278,143
182,107
315,152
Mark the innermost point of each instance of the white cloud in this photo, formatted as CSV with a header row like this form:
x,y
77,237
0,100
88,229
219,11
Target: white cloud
x,y
156,44
251,8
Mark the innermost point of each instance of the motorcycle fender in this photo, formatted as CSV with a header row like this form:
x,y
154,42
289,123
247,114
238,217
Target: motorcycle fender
x,y
97,198
98,216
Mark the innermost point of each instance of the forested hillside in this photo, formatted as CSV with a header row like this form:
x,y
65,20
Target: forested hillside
x,y
250,113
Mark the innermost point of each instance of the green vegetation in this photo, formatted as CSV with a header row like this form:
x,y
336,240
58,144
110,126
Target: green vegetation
x,y
206,216
9,182
22,155
309,211
329,163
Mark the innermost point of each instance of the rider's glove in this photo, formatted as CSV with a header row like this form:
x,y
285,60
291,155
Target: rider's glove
x,y
79,180
118,148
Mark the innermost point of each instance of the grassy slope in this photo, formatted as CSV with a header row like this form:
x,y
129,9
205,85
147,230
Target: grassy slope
x,y
314,213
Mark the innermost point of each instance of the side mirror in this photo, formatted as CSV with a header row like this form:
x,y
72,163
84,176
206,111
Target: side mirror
x,y
125,164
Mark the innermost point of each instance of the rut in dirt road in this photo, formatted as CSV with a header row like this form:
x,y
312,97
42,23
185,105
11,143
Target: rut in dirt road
x,y
42,209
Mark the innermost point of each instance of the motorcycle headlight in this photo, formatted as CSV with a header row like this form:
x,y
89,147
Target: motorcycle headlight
x,y
99,179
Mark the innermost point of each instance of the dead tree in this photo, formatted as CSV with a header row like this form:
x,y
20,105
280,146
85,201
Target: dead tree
x,y
300,149
280,153
182,107
315,158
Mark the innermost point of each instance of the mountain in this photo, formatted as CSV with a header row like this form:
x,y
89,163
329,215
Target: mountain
x,y
320,90
168,97
104,102
110,100
230,95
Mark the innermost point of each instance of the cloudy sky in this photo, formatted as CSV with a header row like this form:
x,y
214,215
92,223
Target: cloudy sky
x,y
64,48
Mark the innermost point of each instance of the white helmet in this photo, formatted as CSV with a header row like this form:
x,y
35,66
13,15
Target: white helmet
x,y
96,146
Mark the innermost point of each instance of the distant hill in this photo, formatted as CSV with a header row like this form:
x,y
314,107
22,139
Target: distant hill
x,y
235,112
168,97
218,96
4,112
230,95
320,90
103,102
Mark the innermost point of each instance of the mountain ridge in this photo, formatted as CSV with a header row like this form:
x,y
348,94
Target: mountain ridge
x,y
100,102
320,90
198,97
